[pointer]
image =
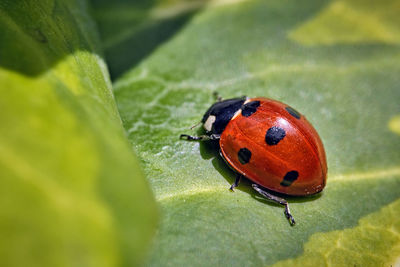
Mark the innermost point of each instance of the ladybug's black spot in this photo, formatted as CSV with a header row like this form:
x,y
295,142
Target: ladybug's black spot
x,y
293,112
289,178
244,155
249,108
274,135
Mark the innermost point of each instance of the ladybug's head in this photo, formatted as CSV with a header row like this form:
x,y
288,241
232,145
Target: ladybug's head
x,y
219,114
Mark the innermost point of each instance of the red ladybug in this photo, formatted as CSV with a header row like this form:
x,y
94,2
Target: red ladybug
x,y
269,143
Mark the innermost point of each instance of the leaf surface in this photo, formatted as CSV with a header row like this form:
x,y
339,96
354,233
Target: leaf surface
x,y
71,191
347,88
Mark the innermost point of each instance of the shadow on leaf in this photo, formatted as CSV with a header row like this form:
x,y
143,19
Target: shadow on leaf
x,y
133,30
210,150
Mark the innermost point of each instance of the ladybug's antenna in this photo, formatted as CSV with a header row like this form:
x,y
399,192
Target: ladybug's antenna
x,y
217,96
194,126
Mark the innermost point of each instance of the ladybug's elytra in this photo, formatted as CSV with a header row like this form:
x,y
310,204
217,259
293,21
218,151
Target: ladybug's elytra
x,y
270,143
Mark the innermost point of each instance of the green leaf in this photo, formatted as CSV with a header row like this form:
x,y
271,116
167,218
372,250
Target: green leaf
x,y
71,192
374,242
355,22
142,25
348,89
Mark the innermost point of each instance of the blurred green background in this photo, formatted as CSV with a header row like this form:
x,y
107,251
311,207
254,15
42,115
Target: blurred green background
x,y
84,84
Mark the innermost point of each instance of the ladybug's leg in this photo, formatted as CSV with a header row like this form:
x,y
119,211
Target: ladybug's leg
x,y
237,181
277,200
200,138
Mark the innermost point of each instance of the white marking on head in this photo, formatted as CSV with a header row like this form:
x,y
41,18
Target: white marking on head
x,y
209,122
237,113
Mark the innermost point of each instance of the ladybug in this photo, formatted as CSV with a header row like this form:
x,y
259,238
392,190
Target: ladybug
x,y
269,143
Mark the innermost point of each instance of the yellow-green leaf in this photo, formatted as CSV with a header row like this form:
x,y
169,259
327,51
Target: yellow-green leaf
x,y
352,21
71,192
375,241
